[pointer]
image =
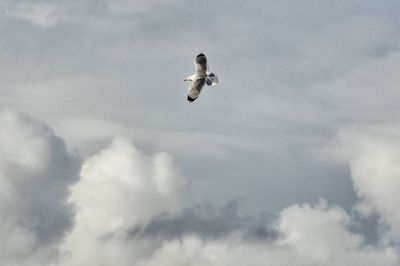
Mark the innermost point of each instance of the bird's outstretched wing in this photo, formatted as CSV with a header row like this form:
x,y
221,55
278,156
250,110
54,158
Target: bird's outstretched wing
x,y
201,66
195,89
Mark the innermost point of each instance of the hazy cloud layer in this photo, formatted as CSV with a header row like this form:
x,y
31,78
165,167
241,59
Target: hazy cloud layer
x,y
295,75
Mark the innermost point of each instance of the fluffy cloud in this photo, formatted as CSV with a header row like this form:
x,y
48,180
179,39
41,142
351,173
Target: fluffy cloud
x,y
119,188
309,236
373,154
321,236
36,170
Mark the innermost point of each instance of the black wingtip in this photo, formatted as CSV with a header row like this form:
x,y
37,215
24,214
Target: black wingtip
x,y
190,99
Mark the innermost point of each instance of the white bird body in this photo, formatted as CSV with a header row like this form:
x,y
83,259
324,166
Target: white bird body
x,y
200,78
190,78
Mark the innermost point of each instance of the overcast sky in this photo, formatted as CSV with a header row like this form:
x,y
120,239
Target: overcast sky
x,y
295,155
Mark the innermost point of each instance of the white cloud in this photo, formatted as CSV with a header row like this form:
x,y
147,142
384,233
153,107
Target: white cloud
x,y
310,236
36,171
373,154
120,187
318,233
321,235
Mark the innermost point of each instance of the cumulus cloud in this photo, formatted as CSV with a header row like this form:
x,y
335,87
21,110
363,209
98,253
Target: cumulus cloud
x,y
310,235
120,187
321,235
373,154
36,170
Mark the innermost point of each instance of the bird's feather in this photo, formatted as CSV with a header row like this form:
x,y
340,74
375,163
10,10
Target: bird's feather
x,y
201,66
196,87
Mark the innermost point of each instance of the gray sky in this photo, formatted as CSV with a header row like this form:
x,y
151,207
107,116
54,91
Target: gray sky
x,y
306,112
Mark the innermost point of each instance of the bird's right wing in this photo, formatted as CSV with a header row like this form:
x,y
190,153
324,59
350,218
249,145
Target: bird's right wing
x,y
201,66
195,89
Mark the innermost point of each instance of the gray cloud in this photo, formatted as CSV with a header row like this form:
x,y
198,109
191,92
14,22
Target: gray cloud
x,y
208,222
36,170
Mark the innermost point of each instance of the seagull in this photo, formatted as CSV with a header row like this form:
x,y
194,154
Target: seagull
x,y
200,78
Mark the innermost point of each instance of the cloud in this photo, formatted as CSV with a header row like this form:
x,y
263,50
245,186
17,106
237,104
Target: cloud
x,y
373,154
207,222
128,215
36,170
120,188
126,7
310,235
295,73
129,209
48,14
43,13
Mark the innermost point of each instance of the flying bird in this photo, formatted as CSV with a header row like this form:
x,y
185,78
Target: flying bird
x,y
200,77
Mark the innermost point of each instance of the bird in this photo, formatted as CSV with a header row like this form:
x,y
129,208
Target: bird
x,y
200,78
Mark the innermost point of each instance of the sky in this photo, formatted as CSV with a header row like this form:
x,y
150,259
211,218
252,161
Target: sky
x,y
294,156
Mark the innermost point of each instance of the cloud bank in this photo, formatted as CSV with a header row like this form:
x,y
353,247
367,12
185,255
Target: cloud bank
x,y
127,208
310,235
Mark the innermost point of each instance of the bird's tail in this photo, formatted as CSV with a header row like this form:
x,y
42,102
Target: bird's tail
x,y
212,79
